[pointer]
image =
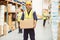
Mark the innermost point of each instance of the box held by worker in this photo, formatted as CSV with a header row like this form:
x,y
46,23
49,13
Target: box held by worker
x,y
27,23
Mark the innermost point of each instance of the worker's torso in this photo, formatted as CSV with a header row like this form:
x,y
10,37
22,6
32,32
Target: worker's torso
x,y
28,15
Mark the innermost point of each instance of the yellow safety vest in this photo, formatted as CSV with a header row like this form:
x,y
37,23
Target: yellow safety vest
x,y
30,16
19,16
44,16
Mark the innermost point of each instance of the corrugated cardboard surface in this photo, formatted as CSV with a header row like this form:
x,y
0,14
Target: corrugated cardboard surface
x,y
59,31
11,8
13,26
5,29
26,24
1,30
10,20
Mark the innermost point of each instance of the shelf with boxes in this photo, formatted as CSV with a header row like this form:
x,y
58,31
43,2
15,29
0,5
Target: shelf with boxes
x,y
59,24
10,5
9,15
6,2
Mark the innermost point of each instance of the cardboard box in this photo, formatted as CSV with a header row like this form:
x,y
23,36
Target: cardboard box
x,y
1,30
26,24
10,19
59,31
13,26
11,8
9,0
2,14
5,29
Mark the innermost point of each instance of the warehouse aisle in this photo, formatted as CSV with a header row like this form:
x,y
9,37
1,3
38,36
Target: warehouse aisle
x,y
41,33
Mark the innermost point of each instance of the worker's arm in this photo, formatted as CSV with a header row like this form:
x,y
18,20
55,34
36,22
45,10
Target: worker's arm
x,y
35,16
35,19
22,18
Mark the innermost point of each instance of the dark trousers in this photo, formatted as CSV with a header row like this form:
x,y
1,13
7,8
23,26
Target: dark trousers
x,y
20,30
44,21
30,32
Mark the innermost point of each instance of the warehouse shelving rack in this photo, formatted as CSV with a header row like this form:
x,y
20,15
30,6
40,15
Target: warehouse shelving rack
x,y
5,2
59,22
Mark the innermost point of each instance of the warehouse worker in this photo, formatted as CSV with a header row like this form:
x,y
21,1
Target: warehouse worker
x,y
19,17
29,14
44,20
44,16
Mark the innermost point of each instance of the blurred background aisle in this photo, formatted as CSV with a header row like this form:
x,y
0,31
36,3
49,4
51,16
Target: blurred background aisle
x,y
41,33
9,10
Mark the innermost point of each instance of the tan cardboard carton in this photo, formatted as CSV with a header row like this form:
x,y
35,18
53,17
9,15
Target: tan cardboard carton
x,y
13,26
59,31
1,30
28,23
5,29
11,8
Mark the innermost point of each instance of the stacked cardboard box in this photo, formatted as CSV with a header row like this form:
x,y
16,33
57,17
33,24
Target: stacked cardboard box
x,y
5,29
9,0
1,18
13,26
5,9
1,30
10,20
2,14
26,24
59,31
11,8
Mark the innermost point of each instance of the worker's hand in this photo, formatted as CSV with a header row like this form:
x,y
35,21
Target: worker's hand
x,y
34,23
34,27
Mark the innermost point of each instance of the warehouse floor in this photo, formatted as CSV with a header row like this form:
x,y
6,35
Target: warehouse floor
x,y
41,33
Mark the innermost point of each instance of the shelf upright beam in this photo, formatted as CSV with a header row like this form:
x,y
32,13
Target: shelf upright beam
x,y
7,12
16,15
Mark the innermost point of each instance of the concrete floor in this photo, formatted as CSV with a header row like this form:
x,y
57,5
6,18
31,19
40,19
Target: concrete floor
x,y
41,33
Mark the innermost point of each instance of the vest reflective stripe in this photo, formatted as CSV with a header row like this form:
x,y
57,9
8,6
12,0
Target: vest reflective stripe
x,y
30,16
19,16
